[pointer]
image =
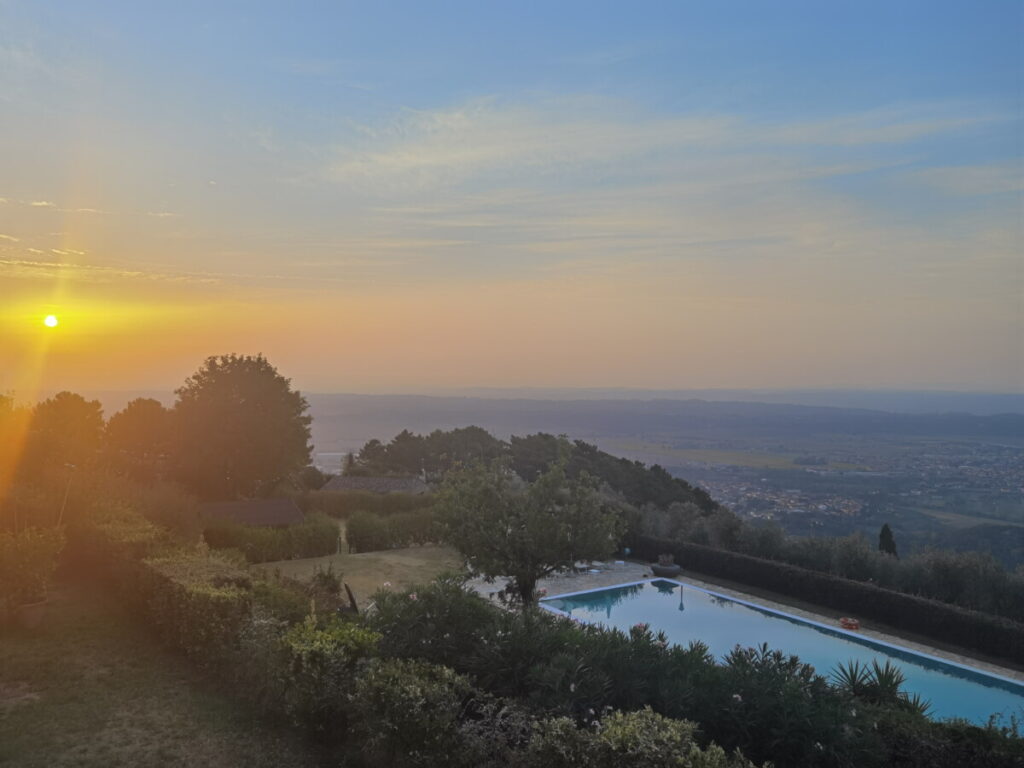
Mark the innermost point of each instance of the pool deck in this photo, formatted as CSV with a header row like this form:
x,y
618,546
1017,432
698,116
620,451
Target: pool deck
x,y
610,574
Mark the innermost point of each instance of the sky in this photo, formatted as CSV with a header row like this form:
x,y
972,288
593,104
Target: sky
x,y
411,196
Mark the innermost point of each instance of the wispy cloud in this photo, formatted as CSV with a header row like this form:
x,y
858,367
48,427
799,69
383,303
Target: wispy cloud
x,y
595,141
970,180
90,273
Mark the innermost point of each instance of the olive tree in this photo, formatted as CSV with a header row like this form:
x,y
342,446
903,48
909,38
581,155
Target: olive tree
x,y
505,527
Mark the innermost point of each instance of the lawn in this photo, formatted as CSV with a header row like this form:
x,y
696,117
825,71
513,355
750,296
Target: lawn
x,y
366,572
91,687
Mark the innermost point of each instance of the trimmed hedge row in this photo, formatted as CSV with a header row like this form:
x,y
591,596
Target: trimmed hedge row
x,y
367,532
342,504
972,630
317,535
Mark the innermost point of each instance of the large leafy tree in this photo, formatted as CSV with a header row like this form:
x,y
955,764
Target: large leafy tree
x,y
65,429
241,429
139,436
504,526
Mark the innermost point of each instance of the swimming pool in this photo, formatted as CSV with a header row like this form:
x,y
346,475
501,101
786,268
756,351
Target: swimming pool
x,y
686,613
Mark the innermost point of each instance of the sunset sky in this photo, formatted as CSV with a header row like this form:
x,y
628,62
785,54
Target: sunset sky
x,y
408,196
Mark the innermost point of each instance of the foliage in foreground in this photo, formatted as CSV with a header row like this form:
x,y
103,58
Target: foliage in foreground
x,y
328,676
768,705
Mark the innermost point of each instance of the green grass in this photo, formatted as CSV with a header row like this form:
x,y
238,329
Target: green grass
x,y
366,572
91,687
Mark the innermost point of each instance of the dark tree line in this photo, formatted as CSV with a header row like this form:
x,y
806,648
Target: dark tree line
x,y
236,430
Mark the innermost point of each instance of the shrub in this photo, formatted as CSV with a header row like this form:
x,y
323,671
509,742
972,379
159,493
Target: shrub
x,y
198,602
317,535
407,713
28,559
779,709
321,663
444,623
281,601
625,740
343,504
368,532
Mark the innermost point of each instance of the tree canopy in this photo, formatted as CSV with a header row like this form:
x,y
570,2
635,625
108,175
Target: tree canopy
x,y
440,451
65,429
887,542
504,526
240,428
139,435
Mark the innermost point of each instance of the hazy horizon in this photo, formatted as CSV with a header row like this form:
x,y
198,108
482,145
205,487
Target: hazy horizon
x,y
686,198
891,401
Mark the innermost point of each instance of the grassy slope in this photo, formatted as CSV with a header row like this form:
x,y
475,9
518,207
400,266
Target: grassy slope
x,y
365,573
92,688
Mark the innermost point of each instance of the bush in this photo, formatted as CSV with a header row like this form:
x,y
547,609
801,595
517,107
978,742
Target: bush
x,y
407,713
625,740
198,602
321,663
779,709
316,536
343,504
28,559
369,532
441,622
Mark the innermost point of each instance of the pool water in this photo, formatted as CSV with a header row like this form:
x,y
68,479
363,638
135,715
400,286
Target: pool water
x,y
687,613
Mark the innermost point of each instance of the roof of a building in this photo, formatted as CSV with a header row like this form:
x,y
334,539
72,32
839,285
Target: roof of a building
x,y
266,512
377,484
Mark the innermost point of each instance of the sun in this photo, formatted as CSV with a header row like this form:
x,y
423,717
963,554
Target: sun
x,y
50,321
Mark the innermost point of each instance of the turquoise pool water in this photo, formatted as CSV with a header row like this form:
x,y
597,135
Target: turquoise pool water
x,y
686,613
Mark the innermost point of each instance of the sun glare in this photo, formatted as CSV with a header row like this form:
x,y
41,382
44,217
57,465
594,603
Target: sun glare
x,y
50,321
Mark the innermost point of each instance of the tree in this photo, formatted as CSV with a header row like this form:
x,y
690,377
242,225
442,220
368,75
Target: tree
x,y
887,542
65,429
504,526
240,429
139,436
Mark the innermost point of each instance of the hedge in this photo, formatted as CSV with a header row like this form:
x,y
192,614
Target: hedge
x,y
343,504
991,635
367,532
317,535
